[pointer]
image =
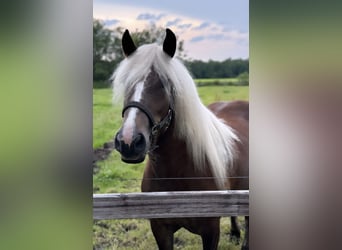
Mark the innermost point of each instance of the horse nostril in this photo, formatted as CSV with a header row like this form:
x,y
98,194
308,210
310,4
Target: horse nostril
x,y
139,143
117,143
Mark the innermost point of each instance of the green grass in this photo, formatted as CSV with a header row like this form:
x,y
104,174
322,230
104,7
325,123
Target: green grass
x,y
106,117
136,234
209,94
216,81
115,176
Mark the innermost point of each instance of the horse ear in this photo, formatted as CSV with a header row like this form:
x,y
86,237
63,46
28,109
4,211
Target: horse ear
x,y
128,45
170,43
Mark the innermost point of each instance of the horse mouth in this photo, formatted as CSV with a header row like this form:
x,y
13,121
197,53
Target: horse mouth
x,y
138,159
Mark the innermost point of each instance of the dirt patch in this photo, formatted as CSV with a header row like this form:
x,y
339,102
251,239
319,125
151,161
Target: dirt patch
x,y
100,154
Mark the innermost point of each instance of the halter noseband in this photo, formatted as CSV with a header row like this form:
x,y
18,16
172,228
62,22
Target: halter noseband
x,y
157,128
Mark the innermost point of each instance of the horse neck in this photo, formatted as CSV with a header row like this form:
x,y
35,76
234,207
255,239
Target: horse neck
x,y
171,160
170,152
171,157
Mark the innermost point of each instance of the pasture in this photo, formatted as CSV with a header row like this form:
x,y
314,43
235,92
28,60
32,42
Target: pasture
x,y
115,176
216,81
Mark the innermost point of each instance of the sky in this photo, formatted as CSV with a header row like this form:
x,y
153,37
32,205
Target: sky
x,y
211,29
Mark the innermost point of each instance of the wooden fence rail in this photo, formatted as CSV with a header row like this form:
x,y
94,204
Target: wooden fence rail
x,y
171,204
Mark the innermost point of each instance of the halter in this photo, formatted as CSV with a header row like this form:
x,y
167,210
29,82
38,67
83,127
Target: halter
x,y
158,128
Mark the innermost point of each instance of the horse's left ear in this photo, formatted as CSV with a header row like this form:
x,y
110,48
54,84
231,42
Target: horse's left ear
x,y
170,43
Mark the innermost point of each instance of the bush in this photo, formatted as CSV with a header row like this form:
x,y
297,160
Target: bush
x,y
243,79
103,70
102,84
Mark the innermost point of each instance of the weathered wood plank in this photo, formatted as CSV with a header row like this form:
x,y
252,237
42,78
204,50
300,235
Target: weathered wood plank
x,y
171,204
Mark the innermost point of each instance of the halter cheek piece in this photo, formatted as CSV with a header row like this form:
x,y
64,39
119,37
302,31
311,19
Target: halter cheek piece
x,y
157,128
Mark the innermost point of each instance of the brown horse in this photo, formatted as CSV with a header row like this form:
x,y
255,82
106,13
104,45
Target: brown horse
x,y
189,146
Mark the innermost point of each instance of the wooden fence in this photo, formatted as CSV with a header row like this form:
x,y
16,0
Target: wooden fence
x,y
171,204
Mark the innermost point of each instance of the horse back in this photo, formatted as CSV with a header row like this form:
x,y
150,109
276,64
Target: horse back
x,y
236,115
231,110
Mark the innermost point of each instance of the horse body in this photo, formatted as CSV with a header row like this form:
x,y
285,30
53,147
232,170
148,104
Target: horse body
x,y
190,147
172,162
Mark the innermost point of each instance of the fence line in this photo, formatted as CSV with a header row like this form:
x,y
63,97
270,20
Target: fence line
x,y
171,204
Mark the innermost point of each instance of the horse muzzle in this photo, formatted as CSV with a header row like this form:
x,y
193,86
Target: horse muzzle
x,y
135,152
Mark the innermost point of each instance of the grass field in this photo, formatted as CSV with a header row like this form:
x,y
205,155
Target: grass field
x,y
115,176
216,81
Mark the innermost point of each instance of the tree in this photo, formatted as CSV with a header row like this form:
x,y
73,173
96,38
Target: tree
x,y
107,51
101,40
214,69
154,34
103,50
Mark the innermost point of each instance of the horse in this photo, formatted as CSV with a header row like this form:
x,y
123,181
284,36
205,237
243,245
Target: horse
x,y
190,147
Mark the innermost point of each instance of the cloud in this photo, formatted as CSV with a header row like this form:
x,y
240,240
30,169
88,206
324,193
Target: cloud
x,y
203,25
232,36
173,22
198,31
150,17
220,37
216,37
184,26
197,39
177,22
110,22
243,42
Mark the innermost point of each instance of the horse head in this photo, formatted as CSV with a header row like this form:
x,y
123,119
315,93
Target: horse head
x,y
148,108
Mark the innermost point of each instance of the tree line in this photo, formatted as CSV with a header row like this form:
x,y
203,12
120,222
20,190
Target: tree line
x,y
107,54
229,68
